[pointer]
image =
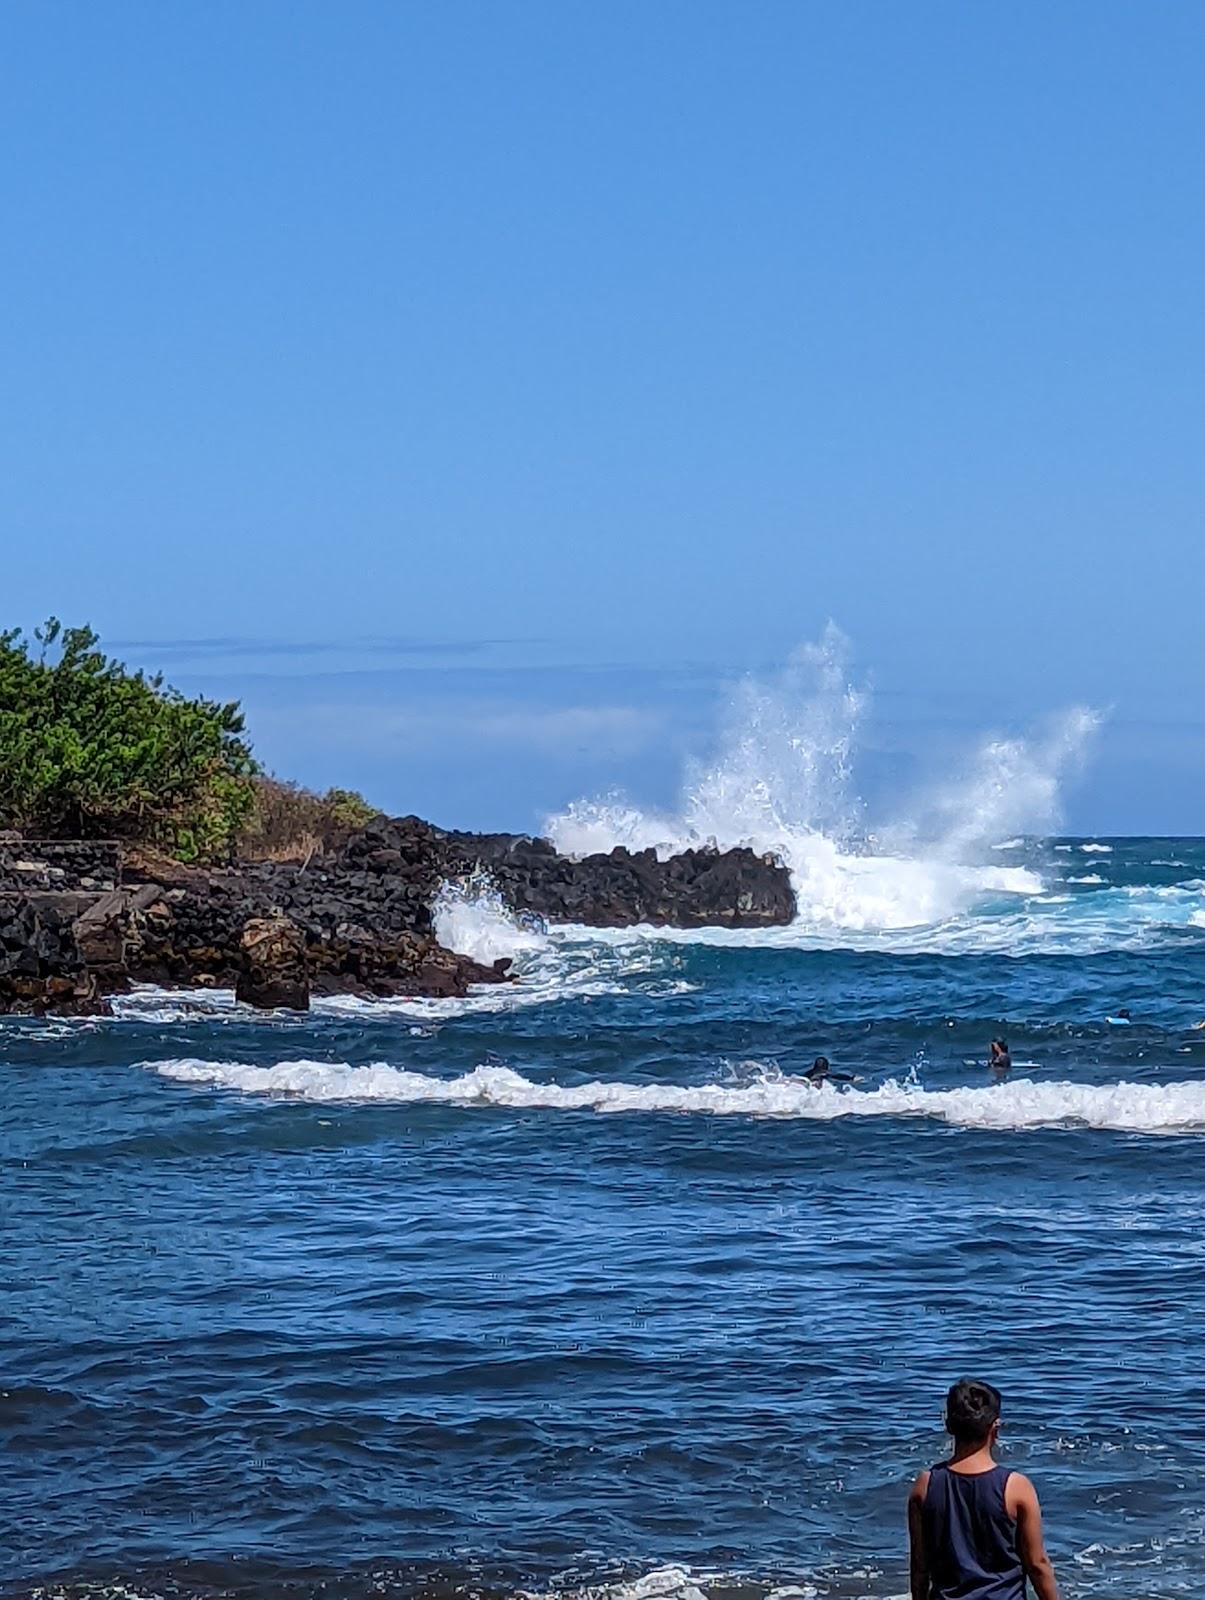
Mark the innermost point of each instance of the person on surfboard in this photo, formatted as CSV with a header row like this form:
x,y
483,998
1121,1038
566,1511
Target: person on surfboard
x,y
821,1072
974,1527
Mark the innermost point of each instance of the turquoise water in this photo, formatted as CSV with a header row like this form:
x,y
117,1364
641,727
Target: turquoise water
x,y
575,1285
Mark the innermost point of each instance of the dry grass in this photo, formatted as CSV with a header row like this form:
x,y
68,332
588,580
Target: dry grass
x,y
290,823
303,848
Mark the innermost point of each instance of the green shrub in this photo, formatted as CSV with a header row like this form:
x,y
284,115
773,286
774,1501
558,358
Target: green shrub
x,y
88,749
348,809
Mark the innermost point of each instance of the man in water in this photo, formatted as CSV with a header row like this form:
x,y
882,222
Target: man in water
x,y
1000,1061
820,1072
975,1528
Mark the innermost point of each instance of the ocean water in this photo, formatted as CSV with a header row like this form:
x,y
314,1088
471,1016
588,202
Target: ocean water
x,y
574,1287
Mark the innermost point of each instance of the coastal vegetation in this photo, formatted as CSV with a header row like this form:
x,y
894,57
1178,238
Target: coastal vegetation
x,y
288,822
90,749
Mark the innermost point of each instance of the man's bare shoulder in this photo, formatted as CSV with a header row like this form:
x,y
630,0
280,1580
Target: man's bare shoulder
x,y
920,1486
1019,1492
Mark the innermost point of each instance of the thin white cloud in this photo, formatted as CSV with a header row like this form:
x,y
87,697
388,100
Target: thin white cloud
x,y
618,730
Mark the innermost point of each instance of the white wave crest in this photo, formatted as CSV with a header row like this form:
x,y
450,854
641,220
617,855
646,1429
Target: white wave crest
x,y
1018,1104
782,783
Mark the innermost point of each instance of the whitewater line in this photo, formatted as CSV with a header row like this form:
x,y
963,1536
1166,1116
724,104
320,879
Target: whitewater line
x,y
1020,1104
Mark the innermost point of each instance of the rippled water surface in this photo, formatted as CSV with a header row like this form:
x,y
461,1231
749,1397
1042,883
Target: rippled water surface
x,y
575,1286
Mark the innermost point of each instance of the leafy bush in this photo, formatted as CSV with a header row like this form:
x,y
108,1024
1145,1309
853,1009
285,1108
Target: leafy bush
x,y
348,809
88,749
289,823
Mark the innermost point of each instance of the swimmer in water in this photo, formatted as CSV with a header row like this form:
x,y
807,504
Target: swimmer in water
x,y
820,1072
1000,1060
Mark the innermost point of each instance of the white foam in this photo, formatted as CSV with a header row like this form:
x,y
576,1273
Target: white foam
x,y
1088,877
472,918
782,784
679,1583
1016,1104
1064,924
147,1003
572,969
1097,849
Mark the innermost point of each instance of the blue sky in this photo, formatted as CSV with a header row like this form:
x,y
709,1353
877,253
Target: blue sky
x,y
474,389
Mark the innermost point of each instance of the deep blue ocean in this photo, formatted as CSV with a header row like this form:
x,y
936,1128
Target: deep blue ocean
x,y
575,1286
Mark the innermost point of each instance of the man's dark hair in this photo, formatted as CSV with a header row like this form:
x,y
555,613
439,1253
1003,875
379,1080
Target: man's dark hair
x,y
971,1408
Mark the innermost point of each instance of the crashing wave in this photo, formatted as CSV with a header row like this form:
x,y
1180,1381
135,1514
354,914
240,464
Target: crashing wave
x,y
473,919
782,782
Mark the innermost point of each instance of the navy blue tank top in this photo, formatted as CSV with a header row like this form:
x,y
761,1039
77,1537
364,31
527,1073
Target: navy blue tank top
x,y
970,1539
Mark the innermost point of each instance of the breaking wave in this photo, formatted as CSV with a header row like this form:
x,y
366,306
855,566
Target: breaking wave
x,y
1018,1104
782,782
472,918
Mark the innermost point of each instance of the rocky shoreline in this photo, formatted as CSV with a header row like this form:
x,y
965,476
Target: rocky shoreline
x,y
83,920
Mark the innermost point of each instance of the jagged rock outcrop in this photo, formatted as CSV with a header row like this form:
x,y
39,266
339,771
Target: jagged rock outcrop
x,y
42,969
405,859
361,936
64,951
80,920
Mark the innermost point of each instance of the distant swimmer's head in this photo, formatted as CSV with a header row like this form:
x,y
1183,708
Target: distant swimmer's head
x,y
1124,1014
973,1412
819,1068
999,1050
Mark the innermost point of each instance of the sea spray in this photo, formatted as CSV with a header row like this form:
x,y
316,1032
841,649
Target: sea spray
x,y
782,781
472,918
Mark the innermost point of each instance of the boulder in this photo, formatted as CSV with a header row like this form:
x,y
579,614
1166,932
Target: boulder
x,y
273,974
